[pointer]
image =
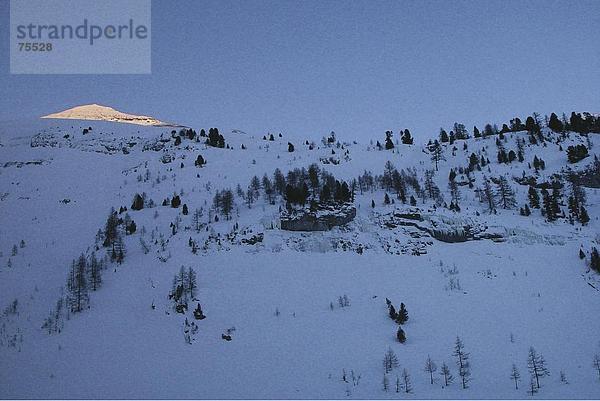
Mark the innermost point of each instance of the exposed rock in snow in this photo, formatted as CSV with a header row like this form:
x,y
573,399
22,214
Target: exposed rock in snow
x,y
323,219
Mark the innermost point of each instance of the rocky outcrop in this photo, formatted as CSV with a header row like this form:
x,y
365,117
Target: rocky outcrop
x,y
443,228
324,218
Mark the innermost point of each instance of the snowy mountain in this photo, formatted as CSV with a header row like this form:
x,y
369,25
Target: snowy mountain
x,y
192,290
95,112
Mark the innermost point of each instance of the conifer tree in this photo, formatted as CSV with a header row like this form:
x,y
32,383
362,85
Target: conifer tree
x,y
462,361
534,197
138,202
402,316
537,366
390,361
596,364
392,312
389,144
445,372
401,335
505,194
488,195
197,219
437,153
279,181
191,283
430,367
406,379
443,135
407,138
111,228
515,375
77,285
199,161
584,218
555,124
95,273
595,260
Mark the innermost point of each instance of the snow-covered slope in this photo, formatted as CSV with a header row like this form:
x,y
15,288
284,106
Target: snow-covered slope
x,y
280,290
95,112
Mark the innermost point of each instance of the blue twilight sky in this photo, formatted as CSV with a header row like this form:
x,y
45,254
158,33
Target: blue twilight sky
x,y
356,67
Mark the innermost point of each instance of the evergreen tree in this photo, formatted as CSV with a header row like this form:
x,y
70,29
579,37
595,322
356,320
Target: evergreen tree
x,y
549,205
95,273
462,361
215,139
488,196
555,201
402,316
505,194
577,153
474,161
596,364
454,192
407,138
111,228
584,218
197,219
460,131
555,124
279,181
77,285
595,260
430,367
443,136
406,379
445,372
401,335
534,197
488,130
436,152
198,314
515,375
118,250
138,202
191,284
537,366
392,312
268,189
200,161
390,361
389,144
227,200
